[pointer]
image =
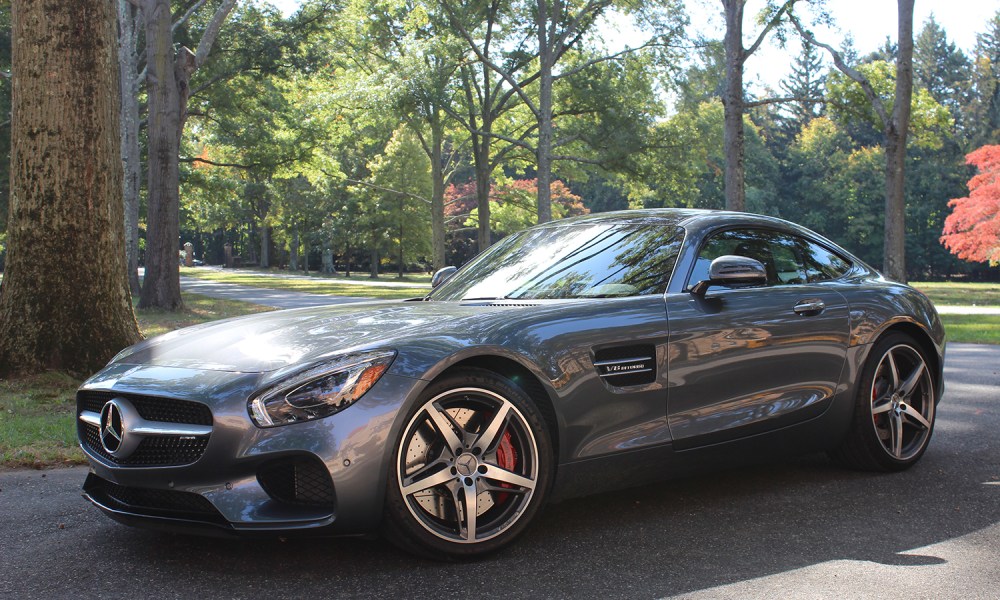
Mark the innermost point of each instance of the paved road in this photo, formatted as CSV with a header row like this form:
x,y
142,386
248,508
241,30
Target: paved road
x,y
262,296
797,529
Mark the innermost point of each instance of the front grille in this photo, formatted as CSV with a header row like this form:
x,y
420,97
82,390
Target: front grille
x,y
162,451
299,480
152,502
153,451
152,408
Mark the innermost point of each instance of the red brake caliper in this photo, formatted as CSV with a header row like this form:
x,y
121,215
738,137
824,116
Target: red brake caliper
x,y
507,460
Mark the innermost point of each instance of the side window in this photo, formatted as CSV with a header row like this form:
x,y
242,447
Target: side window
x,y
822,264
780,253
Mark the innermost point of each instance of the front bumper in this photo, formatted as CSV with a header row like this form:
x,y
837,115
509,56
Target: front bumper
x,y
327,474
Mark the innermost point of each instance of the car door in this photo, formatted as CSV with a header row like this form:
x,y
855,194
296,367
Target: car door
x,y
746,360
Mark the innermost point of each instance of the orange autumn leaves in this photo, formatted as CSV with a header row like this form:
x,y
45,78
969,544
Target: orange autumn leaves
x,y
972,230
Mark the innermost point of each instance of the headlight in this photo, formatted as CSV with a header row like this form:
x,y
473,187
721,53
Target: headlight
x,y
321,391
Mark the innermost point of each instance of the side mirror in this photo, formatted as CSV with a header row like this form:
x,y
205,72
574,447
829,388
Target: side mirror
x,y
732,270
441,275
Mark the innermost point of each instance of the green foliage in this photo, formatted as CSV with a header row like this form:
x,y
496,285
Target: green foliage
x,y
930,122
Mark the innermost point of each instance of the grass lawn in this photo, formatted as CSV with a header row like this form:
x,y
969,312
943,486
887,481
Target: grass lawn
x,y
972,329
356,286
36,413
960,293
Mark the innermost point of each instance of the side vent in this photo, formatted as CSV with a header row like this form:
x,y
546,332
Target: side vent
x,y
622,366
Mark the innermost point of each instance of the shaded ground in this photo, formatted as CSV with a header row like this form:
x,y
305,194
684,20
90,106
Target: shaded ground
x,y
798,529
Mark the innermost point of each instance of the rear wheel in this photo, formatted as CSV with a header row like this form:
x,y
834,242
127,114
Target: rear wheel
x,y
895,408
471,468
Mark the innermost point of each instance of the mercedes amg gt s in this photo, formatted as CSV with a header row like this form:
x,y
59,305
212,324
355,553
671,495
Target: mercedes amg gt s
x,y
573,357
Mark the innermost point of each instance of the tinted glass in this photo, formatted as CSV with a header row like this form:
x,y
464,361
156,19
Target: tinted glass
x,y
588,260
822,264
778,252
788,259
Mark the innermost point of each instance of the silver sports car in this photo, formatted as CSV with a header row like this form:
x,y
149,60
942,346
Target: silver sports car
x,y
577,356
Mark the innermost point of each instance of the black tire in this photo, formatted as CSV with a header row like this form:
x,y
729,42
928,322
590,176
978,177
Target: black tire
x,y
894,409
503,444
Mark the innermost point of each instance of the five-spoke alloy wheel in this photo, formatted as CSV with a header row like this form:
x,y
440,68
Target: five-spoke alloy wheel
x,y
894,414
471,468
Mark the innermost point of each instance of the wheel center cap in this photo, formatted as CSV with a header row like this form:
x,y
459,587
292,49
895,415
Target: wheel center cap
x,y
466,464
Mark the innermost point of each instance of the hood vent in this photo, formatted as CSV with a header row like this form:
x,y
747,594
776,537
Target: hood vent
x,y
623,366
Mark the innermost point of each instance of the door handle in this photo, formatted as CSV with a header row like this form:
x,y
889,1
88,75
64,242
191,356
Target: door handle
x,y
809,307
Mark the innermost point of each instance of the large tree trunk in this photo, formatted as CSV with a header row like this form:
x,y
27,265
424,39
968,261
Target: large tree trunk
x,y
161,285
64,300
733,103
128,35
894,249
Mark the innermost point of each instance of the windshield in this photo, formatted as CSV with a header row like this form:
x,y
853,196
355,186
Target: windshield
x,y
585,260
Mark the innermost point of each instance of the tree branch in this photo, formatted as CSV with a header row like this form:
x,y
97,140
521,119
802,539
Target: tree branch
x,y
767,101
187,15
775,20
838,60
212,31
387,189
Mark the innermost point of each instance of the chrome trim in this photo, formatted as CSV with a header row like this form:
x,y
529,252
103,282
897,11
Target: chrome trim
x,y
622,361
90,418
151,428
630,372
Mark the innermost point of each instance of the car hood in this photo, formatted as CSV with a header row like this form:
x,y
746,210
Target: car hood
x,y
270,341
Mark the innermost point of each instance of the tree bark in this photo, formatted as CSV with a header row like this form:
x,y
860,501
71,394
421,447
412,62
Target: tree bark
x,y
896,131
732,102
64,300
265,246
161,284
437,195
128,37
293,255
484,170
543,152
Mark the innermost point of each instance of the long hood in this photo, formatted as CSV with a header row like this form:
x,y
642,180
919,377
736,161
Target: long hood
x,y
270,341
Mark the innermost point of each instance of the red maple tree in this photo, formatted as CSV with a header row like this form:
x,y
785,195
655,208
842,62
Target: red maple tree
x,y
972,230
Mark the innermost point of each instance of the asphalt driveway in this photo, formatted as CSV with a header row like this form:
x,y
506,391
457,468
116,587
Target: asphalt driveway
x,y
797,529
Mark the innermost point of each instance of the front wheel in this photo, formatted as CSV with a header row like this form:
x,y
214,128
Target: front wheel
x,y
471,468
895,408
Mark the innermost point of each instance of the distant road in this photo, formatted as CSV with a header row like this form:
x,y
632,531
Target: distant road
x,y
262,296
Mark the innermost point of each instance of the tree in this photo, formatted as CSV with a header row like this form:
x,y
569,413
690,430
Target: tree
x,y
984,106
806,84
401,178
541,37
168,77
895,127
129,24
972,230
733,95
515,205
940,67
64,300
